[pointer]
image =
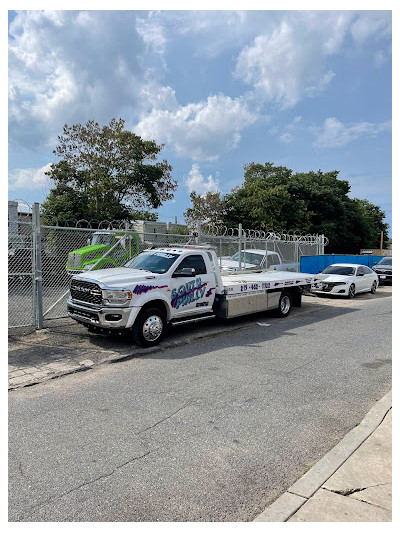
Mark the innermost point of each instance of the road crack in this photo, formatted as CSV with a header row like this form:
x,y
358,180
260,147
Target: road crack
x,y
348,492
85,484
163,420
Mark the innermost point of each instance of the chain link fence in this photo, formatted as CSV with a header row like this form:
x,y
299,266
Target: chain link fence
x,y
43,258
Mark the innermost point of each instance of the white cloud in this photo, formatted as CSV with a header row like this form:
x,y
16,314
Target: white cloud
x,y
29,178
334,134
69,66
286,138
372,24
198,183
286,64
200,131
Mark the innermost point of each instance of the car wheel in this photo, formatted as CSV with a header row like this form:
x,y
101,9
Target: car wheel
x,y
373,288
149,327
352,291
285,305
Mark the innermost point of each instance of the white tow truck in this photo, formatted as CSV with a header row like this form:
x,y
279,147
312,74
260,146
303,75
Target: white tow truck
x,y
177,285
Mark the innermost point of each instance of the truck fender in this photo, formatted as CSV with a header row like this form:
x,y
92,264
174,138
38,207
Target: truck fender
x,y
160,302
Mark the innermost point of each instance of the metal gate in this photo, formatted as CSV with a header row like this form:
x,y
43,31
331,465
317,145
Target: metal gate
x,y
23,267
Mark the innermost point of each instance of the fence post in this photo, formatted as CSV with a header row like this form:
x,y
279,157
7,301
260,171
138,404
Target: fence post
x,y
37,274
240,246
198,231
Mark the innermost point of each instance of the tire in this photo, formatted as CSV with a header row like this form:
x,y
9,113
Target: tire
x,y
352,291
285,305
373,287
149,327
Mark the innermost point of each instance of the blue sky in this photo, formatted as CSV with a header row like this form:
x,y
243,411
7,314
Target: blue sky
x,y
305,89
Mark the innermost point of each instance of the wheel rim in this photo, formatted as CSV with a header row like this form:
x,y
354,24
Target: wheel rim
x,y
285,304
352,291
152,328
373,288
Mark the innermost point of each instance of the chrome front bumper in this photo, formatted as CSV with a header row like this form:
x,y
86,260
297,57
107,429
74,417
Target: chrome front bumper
x,y
104,317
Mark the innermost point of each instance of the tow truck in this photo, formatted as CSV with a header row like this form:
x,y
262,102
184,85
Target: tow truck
x,y
177,285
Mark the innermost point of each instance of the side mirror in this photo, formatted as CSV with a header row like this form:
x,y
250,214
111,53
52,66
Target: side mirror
x,y
375,263
184,273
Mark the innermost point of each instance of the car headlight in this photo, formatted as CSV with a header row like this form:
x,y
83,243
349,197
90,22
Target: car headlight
x,y
116,296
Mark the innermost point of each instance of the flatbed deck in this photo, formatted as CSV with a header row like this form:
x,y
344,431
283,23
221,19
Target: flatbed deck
x,y
253,282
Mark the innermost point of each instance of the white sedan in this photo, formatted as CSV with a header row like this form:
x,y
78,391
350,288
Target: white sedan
x,y
346,279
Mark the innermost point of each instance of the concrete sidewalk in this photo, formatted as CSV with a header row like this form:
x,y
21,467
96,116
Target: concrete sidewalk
x,y
352,483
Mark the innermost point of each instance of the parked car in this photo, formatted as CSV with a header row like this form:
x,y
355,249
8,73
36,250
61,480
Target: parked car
x,y
256,260
384,270
347,280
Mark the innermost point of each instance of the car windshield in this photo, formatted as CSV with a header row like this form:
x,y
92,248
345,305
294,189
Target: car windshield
x,y
156,262
248,257
102,238
341,270
385,261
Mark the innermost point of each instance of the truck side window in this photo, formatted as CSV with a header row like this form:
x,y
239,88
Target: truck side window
x,y
194,261
272,260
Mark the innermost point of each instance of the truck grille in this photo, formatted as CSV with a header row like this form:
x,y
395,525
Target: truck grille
x,y
85,291
74,261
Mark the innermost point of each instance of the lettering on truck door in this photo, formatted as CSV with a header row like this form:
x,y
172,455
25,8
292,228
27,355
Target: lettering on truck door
x,y
192,294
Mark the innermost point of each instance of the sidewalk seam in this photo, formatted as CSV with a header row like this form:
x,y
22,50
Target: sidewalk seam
x,y
380,411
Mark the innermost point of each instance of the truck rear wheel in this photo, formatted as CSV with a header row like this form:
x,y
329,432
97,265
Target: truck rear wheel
x,y
149,327
285,305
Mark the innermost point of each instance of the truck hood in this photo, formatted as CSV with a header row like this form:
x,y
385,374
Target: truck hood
x,y
89,248
118,277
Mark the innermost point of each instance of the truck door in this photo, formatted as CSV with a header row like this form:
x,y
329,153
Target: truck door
x,y
192,294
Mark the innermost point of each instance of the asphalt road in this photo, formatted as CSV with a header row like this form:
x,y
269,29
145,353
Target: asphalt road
x,y
209,431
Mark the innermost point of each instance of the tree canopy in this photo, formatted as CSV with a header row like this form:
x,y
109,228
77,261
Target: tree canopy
x,y
275,198
106,173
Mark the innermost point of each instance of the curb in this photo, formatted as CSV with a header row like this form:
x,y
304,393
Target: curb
x,y
305,487
136,351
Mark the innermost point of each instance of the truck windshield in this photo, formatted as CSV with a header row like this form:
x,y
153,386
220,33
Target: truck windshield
x,y
156,262
385,261
102,238
248,257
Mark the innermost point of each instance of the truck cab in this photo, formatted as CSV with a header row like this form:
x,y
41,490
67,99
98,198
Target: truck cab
x,y
107,249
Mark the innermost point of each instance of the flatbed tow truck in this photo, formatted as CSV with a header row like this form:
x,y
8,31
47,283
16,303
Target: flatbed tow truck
x,y
178,285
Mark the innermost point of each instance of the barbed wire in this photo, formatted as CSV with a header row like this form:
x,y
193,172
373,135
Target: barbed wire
x,y
207,229
219,230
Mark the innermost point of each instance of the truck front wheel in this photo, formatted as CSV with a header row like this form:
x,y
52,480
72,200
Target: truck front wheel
x,y
149,328
285,305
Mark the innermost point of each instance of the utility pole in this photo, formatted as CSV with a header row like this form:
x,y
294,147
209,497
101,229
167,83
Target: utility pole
x,y
380,250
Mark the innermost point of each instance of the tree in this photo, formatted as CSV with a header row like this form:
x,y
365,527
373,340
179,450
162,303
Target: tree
x,y
274,198
109,170
264,201
208,208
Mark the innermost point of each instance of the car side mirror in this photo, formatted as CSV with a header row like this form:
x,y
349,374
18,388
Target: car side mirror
x,y
375,263
184,273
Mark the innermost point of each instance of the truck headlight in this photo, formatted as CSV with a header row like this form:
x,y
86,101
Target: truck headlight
x,y
116,296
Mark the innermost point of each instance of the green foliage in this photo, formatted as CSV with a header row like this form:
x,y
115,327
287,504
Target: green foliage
x,y
273,198
208,208
106,172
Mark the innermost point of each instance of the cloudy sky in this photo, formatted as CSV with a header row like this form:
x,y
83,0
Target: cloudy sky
x,y
305,89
